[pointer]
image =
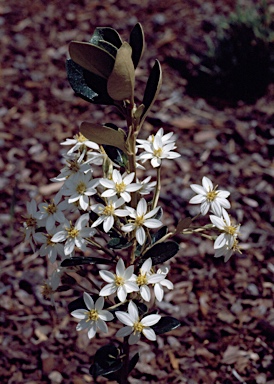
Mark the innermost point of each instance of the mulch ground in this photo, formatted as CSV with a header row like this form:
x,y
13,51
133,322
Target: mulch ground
x,y
226,310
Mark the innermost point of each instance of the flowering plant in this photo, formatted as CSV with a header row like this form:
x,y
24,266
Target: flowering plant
x,y
115,222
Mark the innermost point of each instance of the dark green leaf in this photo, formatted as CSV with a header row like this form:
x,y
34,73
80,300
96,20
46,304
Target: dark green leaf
x,y
133,361
118,243
108,34
159,234
137,42
106,361
93,58
81,260
88,86
165,324
160,252
116,155
152,88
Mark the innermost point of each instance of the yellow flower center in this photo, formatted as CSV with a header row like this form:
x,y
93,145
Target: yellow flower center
x,y
158,152
211,196
139,221
119,281
73,165
92,315
72,232
108,210
31,222
49,242
230,229
141,279
46,290
138,327
50,209
120,187
81,188
80,138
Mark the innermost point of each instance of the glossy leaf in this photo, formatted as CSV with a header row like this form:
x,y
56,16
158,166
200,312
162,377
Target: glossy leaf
x,y
87,85
81,260
119,243
107,34
160,252
134,360
91,57
116,155
137,43
165,324
159,234
152,88
103,135
106,361
121,81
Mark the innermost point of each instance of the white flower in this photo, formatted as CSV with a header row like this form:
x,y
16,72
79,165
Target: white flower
x,y
94,318
74,235
158,287
80,141
74,165
120,185
80,187
226,240
157,148
31,222
146,277
226,251
147,186
52,212
108,212
122,281
135,326
140,219
49,248
209,197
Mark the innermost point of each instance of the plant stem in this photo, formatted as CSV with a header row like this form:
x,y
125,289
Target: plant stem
x,y
125,369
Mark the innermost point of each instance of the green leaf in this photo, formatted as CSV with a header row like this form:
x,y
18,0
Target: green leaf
x,y
134,360
152,88
107,34
120,84
137,43
165,324
183,224
106,361
81,260
160,252
87,85
118,243
93,58
159,234
116,155
101,134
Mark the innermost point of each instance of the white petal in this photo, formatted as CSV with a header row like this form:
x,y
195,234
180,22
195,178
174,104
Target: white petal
x,y
92,331
133,311
106,315
159,292
120,267
125,331
145,292
134,338
149,334
79,313
108,290
152,223
99,303
150,320
122,293
198,189
88,301
140,235
107,276
207,184
124,318
141,207
102,325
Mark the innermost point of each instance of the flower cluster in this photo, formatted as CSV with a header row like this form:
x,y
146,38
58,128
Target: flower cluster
x,y
214,200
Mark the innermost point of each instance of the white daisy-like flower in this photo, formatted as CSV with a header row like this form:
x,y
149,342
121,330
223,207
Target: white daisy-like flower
x,y
147,186
159,287
74,235
108,212
94,318
122,282
209,197
140,219
79,188
157,148
166,139
49,248
52,212
226,251
120,186
80,141
229,232
74,165
31,222
146,277
136,326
